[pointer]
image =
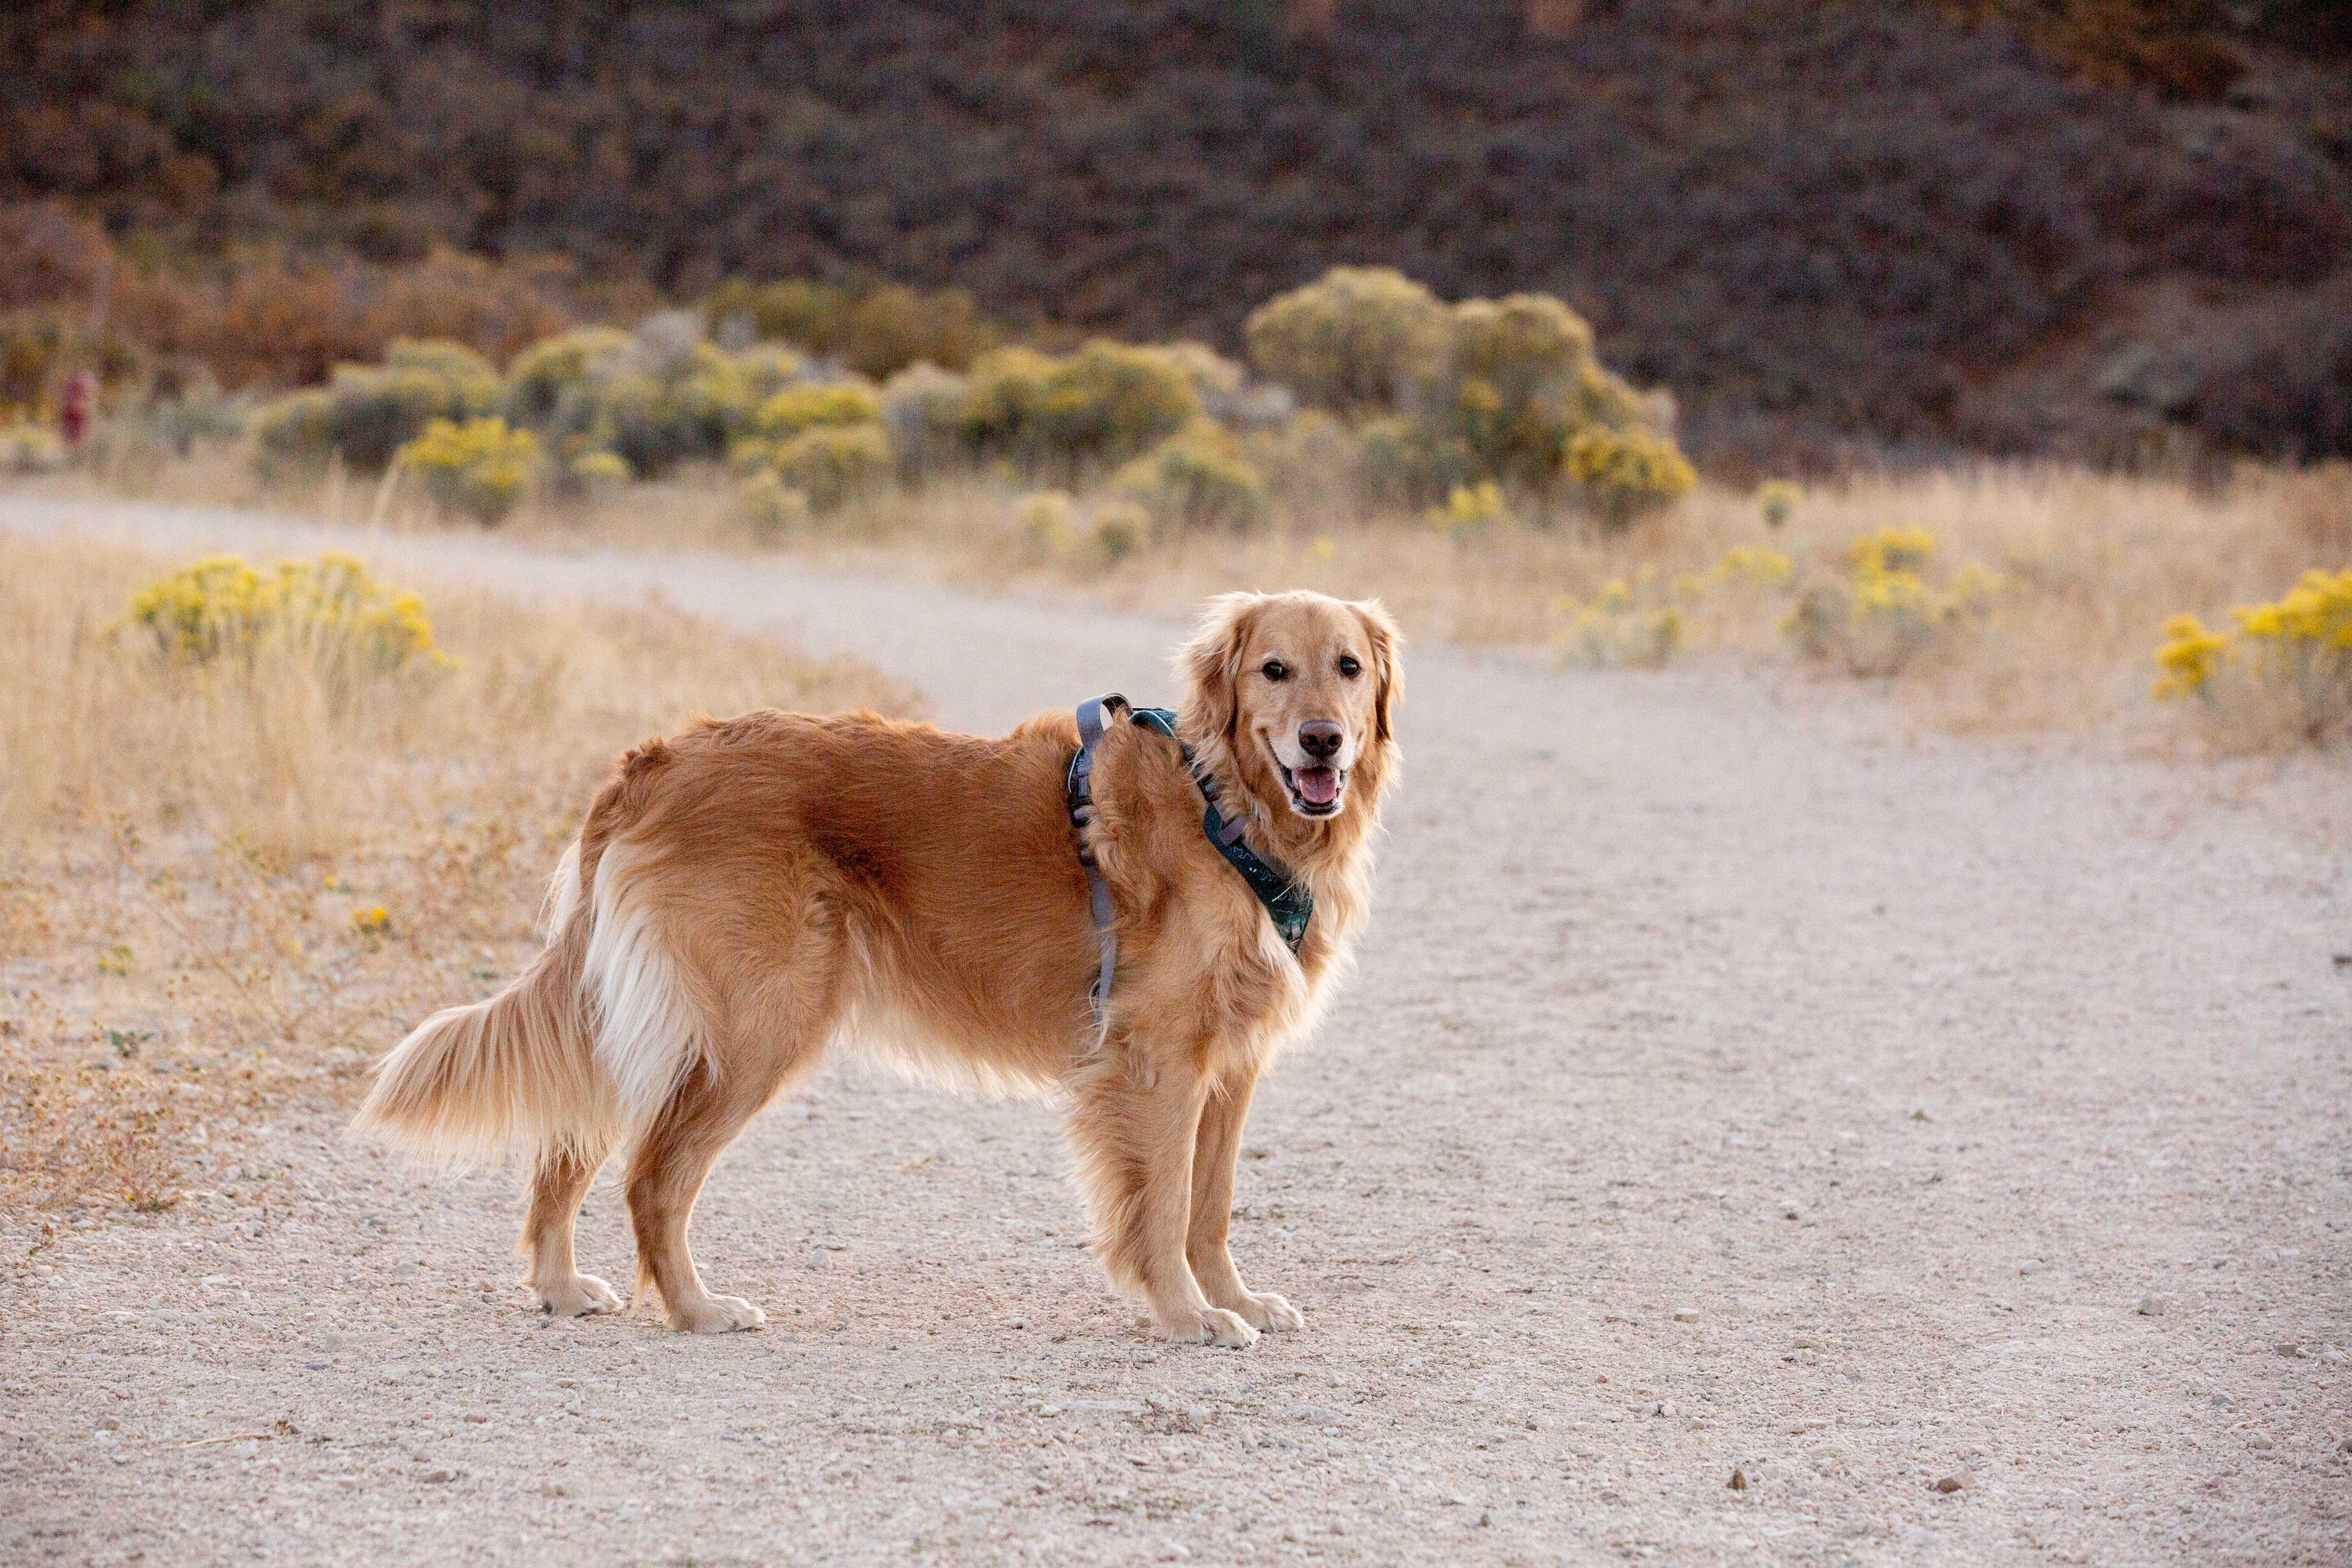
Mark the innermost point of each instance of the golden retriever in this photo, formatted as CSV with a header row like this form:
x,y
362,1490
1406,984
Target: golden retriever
x,y
744,893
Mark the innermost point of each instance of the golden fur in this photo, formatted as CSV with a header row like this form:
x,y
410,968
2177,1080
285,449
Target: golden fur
x,y
747,891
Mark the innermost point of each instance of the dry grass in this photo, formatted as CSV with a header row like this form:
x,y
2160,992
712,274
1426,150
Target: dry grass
x,y
219,888
2090,564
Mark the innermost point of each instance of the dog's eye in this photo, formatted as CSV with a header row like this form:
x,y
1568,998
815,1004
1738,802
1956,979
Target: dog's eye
x,y
1349,668
1274,669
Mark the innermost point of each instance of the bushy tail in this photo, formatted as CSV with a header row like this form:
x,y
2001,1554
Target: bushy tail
x,y
514,1077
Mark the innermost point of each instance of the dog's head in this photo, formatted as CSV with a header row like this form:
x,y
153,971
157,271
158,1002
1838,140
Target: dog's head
x,y
1298,688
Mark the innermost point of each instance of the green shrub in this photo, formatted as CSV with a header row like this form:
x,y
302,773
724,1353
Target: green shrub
x,y
368,412
875,331
592,474
771,506
831,464
1448,395
1198,478
1049,525
920,410
481,468
1120,529
1777,502
29,448
556,370
655,398
1512,369
1004,404
1355,341
1110,400
1409,462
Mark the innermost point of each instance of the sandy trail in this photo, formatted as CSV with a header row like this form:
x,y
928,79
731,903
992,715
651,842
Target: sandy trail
x,y
1721,1089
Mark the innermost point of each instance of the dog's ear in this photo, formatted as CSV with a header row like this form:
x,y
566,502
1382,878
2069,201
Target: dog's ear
x,y
1381,629
1210,663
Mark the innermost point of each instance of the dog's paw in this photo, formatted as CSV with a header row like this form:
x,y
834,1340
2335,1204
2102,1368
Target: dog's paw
x,y
717,1315
1210,1326
582,1296
1266,1310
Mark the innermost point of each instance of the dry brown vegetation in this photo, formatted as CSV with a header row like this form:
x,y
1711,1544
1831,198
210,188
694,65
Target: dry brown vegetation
x,y
228,885
2087,566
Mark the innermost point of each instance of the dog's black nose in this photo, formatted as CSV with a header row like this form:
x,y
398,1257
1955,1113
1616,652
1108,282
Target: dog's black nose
x,y
1319,739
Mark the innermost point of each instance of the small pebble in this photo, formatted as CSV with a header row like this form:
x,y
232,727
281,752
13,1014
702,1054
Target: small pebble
x,y
2029,1265
1685,1314
2153,1305
1738,1481
1195,1418
1957,1481
2258,1438
438,1478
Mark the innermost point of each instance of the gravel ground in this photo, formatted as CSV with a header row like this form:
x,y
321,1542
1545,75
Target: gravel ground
x,y
1730,1094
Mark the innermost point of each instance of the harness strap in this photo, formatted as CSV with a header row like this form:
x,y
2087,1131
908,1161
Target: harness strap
x,y
1080,789
1285,899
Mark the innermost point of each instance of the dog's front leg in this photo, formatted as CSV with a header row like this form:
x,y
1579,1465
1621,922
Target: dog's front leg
x,y
1214,1152
1133,1125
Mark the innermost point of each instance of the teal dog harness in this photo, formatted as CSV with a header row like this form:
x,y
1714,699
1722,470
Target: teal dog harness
x,y
1285,899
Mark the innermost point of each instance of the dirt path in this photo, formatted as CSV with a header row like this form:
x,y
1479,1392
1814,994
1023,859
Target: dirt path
x,y
1720,1091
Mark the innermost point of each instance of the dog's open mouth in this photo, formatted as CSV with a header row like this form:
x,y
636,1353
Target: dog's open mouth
x,y
1314,792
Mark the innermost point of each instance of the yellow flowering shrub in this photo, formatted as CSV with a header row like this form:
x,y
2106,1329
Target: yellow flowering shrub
x,y
1628,471
329,611
799,409
1890,550
2190,658
481,468
1470,507
1886,613
1623,624
1748,565
2297,648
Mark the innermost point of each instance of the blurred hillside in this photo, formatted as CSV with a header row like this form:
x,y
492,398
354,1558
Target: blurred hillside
x,y
2096,226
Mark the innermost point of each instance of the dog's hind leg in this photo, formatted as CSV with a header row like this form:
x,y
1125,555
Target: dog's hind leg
x,y
666,1171
1215,1150
776,1030
556,1189
1133,1128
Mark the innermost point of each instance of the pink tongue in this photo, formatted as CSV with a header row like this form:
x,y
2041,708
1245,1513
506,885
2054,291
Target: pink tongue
x,y
1318,787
